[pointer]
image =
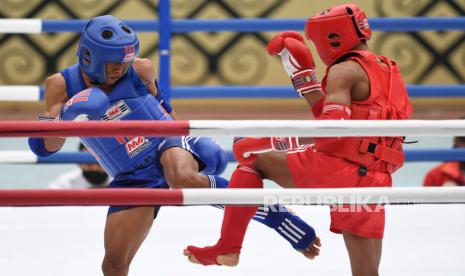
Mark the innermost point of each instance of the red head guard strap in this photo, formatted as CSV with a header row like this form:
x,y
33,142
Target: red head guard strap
x,y
337,30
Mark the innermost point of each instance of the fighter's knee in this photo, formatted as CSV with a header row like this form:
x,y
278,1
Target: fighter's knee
x,y
181,179
113,264
260,164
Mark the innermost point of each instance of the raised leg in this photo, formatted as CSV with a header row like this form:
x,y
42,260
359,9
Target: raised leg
x,y
235,222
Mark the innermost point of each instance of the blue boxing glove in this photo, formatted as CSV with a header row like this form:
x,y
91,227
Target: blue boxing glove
x,y
89,104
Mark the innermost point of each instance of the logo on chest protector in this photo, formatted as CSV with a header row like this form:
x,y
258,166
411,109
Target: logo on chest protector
x,y
136,145
117,111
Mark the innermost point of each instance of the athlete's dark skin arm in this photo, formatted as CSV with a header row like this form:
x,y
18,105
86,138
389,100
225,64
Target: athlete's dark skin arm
x,y
346,81
55,97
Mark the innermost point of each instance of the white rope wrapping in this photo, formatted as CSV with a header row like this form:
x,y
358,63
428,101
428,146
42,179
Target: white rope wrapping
x,y
11,156
328,128
357,196
20,26
19,93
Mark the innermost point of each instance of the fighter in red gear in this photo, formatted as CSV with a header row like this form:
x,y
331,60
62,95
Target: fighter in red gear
x,y
358,85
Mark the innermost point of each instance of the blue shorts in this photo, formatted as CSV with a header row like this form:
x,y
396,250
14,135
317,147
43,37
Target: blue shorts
x,y
181,142
151,176
148,177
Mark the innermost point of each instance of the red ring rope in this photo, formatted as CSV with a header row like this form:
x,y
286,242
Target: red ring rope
x,y
110,129
90,197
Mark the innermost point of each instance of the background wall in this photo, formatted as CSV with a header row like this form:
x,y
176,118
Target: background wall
x,y
232,58
226,57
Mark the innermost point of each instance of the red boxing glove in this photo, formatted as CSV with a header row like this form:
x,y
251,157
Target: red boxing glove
x,y
297,61
245,149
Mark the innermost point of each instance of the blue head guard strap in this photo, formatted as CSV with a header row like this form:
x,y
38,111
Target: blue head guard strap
x,y
105,39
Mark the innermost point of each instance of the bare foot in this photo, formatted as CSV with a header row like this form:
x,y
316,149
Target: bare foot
x,y
313,249
225,259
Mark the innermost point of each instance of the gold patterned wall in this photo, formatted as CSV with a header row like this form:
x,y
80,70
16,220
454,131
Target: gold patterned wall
x,y
227,57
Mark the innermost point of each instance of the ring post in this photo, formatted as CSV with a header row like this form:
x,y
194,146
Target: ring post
x,y
164,48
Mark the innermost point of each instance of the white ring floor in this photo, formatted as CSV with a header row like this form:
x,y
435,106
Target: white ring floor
x,y
419,240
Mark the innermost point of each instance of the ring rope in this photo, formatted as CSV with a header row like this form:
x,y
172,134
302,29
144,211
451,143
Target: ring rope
x,y
311,128
336,196
27,157
36,93
392,24
414,91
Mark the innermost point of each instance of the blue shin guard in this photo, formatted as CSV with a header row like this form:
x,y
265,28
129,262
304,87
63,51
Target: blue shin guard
x,y
288,225
217,182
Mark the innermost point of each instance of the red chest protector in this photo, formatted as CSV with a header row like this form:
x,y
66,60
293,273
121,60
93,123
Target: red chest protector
x,y
388,100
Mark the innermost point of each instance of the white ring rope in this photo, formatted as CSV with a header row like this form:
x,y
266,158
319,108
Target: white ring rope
x,y
358,196
16,156
20,26
329,128
23,93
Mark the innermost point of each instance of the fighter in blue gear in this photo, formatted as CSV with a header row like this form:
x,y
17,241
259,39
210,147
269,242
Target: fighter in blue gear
x,y
110,83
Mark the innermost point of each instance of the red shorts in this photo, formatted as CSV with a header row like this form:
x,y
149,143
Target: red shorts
x,y
312,169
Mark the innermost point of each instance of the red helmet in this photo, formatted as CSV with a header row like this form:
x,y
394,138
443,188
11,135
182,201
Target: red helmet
x,y
336,30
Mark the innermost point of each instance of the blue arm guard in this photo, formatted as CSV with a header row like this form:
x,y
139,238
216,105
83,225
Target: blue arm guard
x,y
166,105
37,145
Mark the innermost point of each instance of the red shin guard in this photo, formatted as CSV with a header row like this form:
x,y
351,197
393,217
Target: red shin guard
x,y
235,220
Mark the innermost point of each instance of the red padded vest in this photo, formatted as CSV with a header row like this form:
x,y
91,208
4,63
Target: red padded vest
x,y
388,100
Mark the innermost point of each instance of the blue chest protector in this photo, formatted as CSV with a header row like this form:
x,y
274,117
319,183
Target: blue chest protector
x,y
129,100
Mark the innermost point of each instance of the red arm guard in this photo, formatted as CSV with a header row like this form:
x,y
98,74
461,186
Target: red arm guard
x,y
245,149
332,111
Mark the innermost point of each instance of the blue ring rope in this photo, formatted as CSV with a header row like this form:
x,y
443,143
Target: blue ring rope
x,y
182,92
410,156
391,24
203,92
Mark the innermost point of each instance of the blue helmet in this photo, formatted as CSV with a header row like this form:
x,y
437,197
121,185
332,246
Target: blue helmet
x,y
105,39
